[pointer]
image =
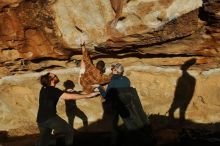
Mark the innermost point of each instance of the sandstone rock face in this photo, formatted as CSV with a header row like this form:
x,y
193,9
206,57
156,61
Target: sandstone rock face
x,y
27,30
131,22
37,29
76,18
40,29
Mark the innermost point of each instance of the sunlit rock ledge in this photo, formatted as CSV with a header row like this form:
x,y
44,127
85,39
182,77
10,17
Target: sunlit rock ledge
x,y
96,20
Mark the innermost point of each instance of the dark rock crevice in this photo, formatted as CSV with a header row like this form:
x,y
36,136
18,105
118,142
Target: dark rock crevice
x,y
48,67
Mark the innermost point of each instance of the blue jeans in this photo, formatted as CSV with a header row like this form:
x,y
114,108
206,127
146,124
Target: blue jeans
x,y
59,125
